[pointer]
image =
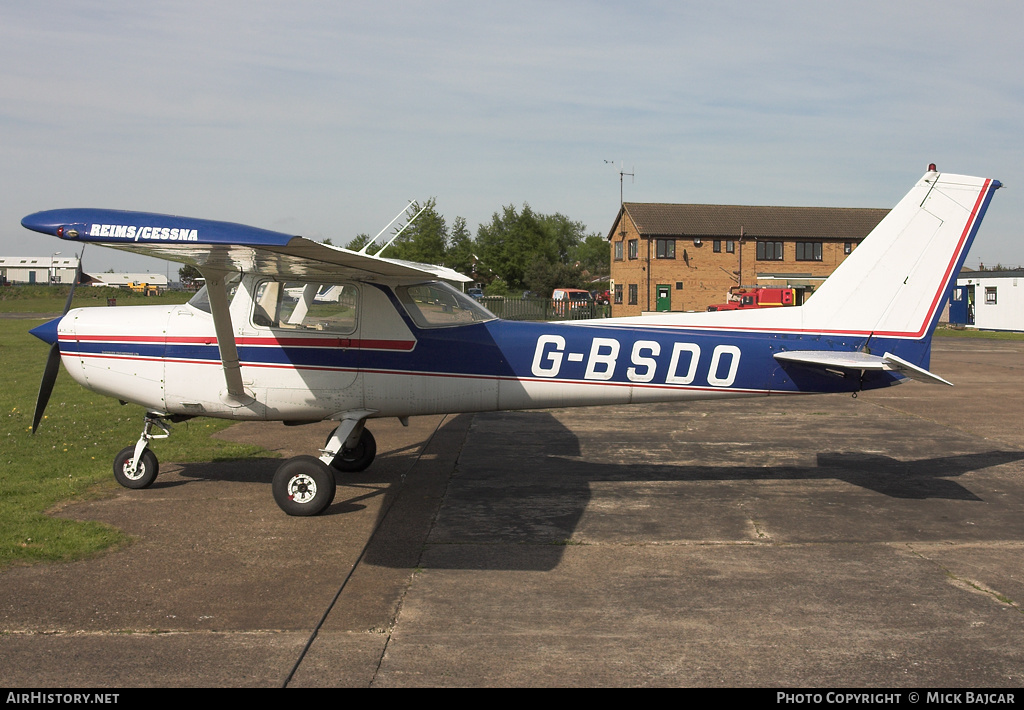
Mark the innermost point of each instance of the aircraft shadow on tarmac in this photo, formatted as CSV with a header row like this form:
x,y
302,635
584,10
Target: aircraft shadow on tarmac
x,y
521,479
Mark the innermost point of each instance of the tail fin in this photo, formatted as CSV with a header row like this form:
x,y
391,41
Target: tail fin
x,y
895,282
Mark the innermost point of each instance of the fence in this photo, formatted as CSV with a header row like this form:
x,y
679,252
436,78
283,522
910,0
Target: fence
x,y
544,309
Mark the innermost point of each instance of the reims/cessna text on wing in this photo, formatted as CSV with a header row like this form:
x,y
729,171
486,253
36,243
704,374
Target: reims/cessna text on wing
x,y
292,330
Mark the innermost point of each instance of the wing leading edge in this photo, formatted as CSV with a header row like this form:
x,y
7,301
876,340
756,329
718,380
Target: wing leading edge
x,y
223,246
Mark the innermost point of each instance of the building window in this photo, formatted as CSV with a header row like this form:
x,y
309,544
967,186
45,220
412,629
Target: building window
x,y
618,293
632,294
679,285
730,247
990,295
847,247
808,251
633,251
716,246
769,251
666,248
618,251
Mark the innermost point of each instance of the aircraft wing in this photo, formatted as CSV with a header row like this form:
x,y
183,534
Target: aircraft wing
x,y
223,246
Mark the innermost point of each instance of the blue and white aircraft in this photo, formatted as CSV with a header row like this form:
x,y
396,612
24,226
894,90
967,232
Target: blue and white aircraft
x,y
288,329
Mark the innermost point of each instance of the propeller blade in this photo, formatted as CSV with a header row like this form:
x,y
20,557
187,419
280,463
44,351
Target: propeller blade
x,y
53,358
78,277
46,386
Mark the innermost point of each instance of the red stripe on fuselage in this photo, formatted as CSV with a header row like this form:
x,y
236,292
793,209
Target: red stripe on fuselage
x,y
314,342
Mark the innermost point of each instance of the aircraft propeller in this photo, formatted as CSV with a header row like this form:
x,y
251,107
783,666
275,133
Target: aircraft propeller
x,y
53,358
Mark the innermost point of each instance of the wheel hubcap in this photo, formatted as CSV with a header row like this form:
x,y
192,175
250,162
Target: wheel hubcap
x,y
139,472
301,489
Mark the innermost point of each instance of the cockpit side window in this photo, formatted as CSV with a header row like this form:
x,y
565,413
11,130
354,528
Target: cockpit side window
x,y
296,305
438,305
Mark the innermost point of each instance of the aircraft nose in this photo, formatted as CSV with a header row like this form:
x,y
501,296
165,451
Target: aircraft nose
x,y
47,332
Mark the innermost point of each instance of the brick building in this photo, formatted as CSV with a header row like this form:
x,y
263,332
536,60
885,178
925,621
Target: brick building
x,y
687,257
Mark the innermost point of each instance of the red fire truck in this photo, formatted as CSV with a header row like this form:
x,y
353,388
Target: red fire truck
x,y
743,298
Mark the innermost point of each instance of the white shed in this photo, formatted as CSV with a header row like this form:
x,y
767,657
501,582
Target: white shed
x,y
55,269
989,300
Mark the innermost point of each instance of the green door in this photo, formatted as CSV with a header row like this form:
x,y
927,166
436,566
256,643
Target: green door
x,y
664,297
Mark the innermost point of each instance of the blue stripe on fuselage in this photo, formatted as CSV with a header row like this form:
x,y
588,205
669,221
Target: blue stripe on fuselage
x,y
562,352
675,358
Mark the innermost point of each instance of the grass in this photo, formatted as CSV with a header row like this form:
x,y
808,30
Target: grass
x,y
70,456
51,299
982,334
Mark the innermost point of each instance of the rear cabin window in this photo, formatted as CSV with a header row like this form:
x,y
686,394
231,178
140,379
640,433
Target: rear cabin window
x,y
296,305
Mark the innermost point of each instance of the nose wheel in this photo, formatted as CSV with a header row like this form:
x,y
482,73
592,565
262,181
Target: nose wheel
x,y
135,475
136,466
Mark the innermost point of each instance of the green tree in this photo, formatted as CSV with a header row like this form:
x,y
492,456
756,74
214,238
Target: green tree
x,y
525,248
543,277
359,242
593,255
424,239
460,252
496,288
513,240
520,247
564,235
188,274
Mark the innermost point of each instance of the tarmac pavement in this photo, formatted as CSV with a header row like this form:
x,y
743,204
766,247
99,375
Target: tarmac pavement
x,y
784,542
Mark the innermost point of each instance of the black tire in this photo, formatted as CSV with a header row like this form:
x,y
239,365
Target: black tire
x,y
357,459
303,485
145,473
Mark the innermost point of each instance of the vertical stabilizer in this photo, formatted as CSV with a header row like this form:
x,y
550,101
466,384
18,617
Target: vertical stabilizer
x,y
895,282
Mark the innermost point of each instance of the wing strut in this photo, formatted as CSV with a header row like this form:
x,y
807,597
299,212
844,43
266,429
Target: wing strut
x,y
216,289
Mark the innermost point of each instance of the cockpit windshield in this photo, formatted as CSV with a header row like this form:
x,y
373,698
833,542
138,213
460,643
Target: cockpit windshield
x,y
201,300
438,305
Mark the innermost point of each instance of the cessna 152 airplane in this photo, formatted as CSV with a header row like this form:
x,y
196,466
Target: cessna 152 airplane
x,y
293,330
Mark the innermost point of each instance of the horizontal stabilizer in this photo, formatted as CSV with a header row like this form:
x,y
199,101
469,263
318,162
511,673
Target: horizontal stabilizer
x,y
912,371
828,359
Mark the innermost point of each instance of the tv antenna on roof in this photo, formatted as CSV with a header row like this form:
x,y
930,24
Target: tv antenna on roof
x,y
622,174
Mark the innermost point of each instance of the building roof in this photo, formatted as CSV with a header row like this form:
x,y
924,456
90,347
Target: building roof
x,y
725,221
123,279
25,262
1004,274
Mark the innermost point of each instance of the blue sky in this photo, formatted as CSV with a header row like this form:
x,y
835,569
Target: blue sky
x,y
325,118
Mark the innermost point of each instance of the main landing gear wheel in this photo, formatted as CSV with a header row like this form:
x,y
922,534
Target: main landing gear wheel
x,y
358,458
304,485
145,472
